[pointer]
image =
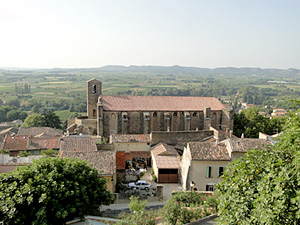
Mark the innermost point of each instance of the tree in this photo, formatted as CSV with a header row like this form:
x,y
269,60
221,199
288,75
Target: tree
x,y
264,187
34,120
47,119
51,191
51,120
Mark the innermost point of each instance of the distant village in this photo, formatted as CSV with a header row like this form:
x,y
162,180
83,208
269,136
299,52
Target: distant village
x,y
188,141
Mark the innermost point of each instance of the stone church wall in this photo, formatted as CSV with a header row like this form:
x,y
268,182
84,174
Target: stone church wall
x,y
175,137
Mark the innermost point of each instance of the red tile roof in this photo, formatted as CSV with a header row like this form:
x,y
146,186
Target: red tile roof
x,y
208,151
78,144
165,156
125,138
103,161
245,144
44,143
159,103
33,131
16,142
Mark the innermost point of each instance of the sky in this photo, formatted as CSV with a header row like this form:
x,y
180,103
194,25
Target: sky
x,y
200,33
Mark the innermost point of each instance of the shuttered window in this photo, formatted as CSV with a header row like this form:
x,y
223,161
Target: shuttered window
x,y
208,172
221,171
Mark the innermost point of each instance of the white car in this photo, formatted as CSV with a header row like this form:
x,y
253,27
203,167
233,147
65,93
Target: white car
x,y
140,184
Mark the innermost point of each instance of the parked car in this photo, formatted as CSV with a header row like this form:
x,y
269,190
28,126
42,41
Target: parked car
x,y
140,184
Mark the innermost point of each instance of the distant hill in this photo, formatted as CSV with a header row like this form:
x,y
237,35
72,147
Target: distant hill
x,y
174,70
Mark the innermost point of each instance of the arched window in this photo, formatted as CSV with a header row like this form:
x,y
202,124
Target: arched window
x,y
175,114
195,114
155,114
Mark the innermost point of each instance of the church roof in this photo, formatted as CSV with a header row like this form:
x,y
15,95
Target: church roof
x,y
159,103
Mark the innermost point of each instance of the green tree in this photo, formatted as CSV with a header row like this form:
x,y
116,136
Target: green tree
x,y
264,187
34,120
47,119
51,191
51,120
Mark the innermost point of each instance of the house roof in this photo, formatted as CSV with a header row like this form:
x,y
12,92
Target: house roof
x,y
245,144
103,161
16,142
165,156
125,138
44,143
78,144
33,131
209,151
10,129
159,103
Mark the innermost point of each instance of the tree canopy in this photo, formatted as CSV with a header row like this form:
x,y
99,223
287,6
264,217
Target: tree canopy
x,y
46,119
51,191
250,122
264,186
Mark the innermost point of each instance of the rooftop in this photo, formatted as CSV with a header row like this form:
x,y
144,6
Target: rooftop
x,y
245,144
165,156
78,144
125,138
208,151
33,131
15,142
159,103
103,161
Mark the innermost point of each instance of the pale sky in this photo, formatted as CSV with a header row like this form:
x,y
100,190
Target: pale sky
x,y
201,33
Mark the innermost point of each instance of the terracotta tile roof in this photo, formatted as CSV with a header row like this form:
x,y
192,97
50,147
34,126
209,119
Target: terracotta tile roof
x,y
44,143
103,161
78,144
140,154
125,138
245,144
33,131
209,151
165,156
10,129
16,142
159,103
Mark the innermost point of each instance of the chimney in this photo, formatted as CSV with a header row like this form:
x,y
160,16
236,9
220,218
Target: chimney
x,y
217,140
243,136
230,134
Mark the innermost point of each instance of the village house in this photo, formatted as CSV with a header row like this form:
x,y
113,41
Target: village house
x,y
165,163
84,148
204,162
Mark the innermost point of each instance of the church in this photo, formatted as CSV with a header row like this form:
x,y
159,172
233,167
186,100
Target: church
x,y
107,115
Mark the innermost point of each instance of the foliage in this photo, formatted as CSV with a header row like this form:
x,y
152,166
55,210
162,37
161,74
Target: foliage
x,y
154,177
185,197
50,191
175,212
24,153
10,113
263,187
4,151
46,119
139,215
49,151
171,212
250,122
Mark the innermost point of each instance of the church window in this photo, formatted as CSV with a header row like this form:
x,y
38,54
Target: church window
x,y
94,89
